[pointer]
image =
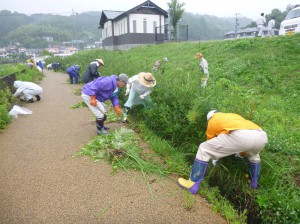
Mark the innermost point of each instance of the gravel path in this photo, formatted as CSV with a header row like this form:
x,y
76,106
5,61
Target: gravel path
x,y
40,181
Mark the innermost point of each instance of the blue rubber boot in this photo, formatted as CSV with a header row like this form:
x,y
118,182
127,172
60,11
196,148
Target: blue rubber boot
x,y
196,177
254,169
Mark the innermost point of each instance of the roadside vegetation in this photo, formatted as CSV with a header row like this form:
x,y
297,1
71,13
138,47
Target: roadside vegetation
x,y
257,78
7,101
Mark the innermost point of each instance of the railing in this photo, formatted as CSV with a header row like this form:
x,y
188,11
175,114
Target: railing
x,y
8,81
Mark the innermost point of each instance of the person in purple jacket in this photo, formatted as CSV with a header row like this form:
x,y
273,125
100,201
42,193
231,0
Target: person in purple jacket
x,y
73,73
95,93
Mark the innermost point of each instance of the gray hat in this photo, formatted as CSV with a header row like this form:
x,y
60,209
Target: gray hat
x,y
123,77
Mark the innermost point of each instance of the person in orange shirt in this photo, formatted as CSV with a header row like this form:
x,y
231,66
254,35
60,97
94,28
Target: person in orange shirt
x,y
227,134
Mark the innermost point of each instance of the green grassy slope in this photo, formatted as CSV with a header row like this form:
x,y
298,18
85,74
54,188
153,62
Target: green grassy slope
x,y
257,78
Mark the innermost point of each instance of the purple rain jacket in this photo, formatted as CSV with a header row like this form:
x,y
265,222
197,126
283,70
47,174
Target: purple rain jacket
x,y
73,71
103,88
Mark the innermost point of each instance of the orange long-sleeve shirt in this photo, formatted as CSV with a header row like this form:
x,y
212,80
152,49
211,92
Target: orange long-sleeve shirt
x,y
223,123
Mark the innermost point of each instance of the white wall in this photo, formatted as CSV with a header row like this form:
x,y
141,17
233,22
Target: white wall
x,y
107,30
139,22
120,27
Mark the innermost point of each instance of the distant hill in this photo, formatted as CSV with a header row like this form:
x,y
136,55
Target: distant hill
x,y
206,27
30,30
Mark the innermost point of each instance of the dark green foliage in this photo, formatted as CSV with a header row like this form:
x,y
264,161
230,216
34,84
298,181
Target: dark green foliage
x,y
4,117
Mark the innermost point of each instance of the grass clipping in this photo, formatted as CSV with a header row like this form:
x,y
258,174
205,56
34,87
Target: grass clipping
x,y
121,148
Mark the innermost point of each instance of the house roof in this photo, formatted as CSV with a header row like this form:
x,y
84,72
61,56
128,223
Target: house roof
x,y
108,15
116,15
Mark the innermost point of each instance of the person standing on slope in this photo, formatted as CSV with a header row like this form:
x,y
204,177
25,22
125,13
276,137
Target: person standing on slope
x,y
260,22
203,65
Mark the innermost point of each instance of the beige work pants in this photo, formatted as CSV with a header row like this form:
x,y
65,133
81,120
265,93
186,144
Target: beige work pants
x,y
249,141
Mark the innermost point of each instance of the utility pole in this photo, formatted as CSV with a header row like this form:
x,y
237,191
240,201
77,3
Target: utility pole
x,y
75,32
236,23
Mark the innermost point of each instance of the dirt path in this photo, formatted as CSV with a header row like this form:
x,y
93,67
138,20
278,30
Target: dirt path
x,y
40,181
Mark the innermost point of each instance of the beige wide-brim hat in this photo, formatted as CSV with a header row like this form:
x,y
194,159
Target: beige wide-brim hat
x,y
100,61
146,79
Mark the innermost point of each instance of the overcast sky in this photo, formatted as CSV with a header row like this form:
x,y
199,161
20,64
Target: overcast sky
x,y
220,8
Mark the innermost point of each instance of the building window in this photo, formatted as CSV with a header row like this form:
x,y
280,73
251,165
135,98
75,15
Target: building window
x,y
134,26
145,25
154,26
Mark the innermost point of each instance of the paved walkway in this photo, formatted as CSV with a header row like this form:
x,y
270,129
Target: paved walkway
x,y
40,181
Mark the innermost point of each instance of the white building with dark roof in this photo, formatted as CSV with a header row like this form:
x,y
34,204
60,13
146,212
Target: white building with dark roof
x,y
142,25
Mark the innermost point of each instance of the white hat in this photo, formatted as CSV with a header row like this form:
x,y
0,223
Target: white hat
x,y
123,77
17,84
210,114
146,79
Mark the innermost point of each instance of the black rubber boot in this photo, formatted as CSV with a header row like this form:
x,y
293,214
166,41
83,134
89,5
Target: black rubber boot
x,y
104,126
38,98
100,127
30,101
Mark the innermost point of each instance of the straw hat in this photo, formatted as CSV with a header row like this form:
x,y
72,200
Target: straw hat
x,y
146,79
100,61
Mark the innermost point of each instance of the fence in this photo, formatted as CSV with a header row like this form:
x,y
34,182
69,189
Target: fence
x,y
163,33
8,81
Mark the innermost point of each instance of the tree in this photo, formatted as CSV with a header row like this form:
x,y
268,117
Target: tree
x,y
175,11
278,16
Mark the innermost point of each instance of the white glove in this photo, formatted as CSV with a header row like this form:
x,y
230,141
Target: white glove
x,y
239,155
142,97
127,91
214,162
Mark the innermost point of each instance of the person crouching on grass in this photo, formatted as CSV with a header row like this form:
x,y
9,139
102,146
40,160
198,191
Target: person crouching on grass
x,y
95,93
227,134
139,88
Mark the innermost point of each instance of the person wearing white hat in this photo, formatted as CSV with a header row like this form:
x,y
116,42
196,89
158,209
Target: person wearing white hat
x,y
139,88
91,72
227,134
27,90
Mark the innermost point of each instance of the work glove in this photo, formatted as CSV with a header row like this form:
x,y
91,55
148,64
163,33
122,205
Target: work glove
x,y
214,162
118,110
240,155
142,97
93,101
127,91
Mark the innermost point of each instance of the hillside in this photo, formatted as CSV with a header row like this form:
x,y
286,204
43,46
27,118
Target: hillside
x,y
30,30
257,78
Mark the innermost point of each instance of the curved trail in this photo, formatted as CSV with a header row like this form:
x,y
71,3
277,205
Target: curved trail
x,y
40,181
